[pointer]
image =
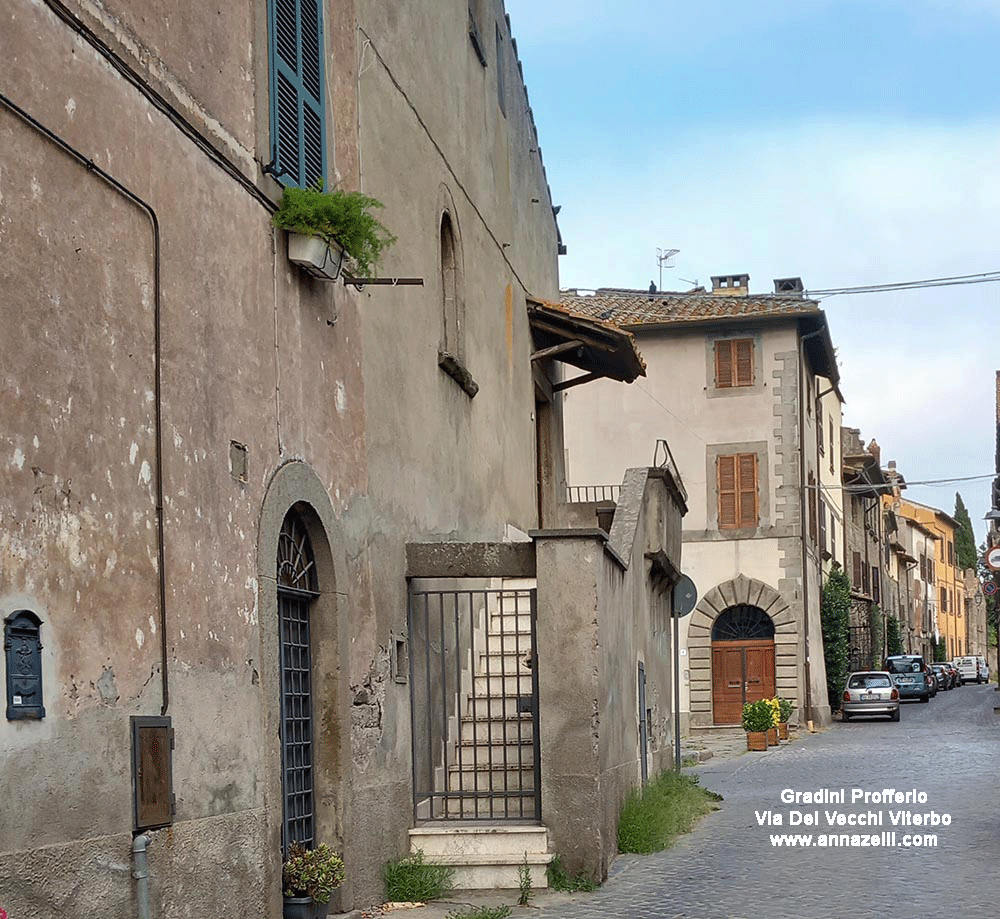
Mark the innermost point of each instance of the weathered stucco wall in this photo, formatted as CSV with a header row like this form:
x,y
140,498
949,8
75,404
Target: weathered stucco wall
x,y
601,612
335,394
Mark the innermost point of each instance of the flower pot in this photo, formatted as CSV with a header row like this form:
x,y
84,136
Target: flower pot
x,y
782,730
772,737
315,256
756,740
302,908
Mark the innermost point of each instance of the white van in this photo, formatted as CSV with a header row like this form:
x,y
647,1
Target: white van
x,y
984,669
969,668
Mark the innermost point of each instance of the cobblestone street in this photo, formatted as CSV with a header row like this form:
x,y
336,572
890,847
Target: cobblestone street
x,y
728,867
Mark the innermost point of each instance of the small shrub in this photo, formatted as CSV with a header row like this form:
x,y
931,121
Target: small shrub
x,y
414,880
481,912
786,707
758,716
312,873
653,816
559,880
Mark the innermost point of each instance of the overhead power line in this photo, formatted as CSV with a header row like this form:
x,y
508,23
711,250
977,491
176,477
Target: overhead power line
x,y
984,277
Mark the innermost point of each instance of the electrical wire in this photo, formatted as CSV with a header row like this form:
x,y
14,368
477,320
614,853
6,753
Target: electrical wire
x,y
983,277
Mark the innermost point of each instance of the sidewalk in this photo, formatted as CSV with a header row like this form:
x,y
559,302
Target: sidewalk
x,y
715,744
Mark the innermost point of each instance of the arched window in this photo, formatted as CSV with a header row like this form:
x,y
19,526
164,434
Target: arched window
x,y
742,623
450,294
22,647
297,588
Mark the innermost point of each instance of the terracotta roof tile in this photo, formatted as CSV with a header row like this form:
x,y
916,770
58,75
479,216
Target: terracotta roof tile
x,y
653,309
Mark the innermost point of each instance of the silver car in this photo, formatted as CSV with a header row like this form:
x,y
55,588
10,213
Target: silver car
x,y
870,692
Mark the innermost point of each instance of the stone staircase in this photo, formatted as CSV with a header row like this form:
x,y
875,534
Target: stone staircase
x,y
490,832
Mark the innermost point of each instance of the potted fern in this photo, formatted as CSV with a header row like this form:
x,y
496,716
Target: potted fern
x,y
324,227
308,877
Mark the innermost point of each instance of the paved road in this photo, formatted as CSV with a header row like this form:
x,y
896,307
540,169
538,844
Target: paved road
x,y
948,749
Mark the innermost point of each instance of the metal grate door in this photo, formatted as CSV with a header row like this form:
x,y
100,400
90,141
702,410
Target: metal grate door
x,y
296,720
474,704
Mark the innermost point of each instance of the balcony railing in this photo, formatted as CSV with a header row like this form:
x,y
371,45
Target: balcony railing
x,y
593,494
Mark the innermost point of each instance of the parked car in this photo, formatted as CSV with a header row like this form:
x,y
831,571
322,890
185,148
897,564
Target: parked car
x,y
870,692
984,669
932,681
943,676
956,677
970,669
911,676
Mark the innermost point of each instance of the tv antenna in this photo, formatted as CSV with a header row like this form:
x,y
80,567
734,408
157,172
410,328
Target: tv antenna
x,y
664,255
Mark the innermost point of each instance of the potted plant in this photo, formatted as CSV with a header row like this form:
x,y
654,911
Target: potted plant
x,y
324,227
785,709
757,720
772,731
308,877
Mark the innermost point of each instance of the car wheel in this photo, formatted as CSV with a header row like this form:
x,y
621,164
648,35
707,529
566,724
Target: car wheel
x,y
925,698
844,716
978,680
895,715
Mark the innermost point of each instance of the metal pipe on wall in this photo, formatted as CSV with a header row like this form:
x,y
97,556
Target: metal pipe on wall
x,y
140,872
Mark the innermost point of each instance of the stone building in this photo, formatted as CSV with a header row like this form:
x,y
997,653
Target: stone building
x,y
734,386
220,475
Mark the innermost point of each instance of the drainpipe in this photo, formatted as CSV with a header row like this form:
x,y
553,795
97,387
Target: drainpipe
x,y
141,873
147,209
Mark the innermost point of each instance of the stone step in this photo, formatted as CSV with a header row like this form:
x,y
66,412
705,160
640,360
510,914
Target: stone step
x,y
516,685
511,753
480,872
488,807
507,706
514,728
510,661
510,623
478,839
508,643
486,780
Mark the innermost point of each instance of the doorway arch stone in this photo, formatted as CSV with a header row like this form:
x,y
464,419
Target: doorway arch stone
x,y
740,591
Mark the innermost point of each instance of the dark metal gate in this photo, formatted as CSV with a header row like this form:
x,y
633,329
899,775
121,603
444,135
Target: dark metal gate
x,y
859,643
474,704
296,721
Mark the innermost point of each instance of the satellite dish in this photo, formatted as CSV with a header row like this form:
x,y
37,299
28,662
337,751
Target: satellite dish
x,y
685,596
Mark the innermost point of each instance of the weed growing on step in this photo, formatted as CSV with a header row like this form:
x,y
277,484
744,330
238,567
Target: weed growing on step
x,y
412,879
560,880
524,881
481,912
669,805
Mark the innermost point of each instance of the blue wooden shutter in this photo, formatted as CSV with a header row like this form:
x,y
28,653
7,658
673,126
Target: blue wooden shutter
x,y
298,122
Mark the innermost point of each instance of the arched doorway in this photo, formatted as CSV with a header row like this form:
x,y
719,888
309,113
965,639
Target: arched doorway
x,y
742,661
297,589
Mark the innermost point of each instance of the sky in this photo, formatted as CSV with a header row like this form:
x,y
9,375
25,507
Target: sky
x,y
846,142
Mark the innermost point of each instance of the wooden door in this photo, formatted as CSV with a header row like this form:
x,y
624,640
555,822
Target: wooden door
x,y
742,671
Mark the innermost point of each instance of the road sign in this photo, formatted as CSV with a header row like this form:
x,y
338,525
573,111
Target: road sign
x,y
686,596
993,558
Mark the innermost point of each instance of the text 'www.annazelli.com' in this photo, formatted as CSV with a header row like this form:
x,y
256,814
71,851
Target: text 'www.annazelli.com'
x,y
886,840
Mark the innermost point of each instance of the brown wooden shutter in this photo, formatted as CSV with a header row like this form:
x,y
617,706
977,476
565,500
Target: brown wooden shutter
x,y
875,584
723,364
726,474
811,497
822,525
744,361
856,580
748,489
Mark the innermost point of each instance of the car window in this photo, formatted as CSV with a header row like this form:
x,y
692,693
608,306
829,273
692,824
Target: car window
x,y
869,681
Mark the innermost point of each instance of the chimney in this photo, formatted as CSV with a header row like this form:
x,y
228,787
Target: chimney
x,y
731,285
875,450
789,286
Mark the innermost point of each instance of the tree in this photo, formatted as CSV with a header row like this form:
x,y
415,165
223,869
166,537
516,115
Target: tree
x,y
875,623
986,577
835,611
893,643
940,651
965,538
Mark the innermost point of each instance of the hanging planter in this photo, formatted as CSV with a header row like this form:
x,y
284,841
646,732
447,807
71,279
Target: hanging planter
x,y
331,226
316,256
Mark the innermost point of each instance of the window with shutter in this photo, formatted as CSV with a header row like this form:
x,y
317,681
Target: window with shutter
x,y
876,581
822,525
298,119
737,487
811,497
733,362
856,579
